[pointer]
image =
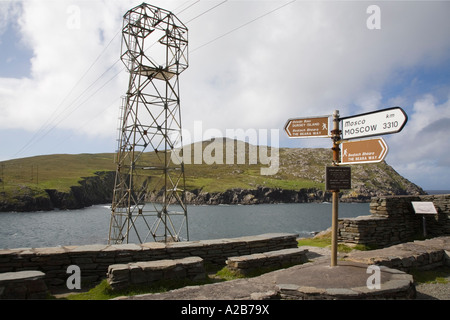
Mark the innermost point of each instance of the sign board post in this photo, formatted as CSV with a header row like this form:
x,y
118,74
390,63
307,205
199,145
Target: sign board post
x,y
335,136
387,121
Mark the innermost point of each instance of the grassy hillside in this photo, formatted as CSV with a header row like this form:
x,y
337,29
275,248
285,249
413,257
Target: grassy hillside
x,y
222,177
58,171
298,169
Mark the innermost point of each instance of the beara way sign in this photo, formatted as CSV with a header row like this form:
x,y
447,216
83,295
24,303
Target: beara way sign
x,y
363,151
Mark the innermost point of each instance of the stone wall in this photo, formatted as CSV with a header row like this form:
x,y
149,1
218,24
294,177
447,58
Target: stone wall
x,y
94,260
22,285
417,255
121,276
247,264
394,221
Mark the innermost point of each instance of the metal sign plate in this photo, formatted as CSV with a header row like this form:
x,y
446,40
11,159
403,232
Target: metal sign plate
x,y
363,151
316,127
338,178
424,207
375,123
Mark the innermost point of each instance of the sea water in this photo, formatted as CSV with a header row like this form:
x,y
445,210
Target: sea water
x,y
91,225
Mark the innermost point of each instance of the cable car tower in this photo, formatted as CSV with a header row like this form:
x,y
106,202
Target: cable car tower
x,y
149,191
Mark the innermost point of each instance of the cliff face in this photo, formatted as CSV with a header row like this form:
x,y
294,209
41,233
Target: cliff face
x,y
25,200
97,189
90,191
257,196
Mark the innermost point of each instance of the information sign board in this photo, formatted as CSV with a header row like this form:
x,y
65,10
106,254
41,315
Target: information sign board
x,y
422,207
338,178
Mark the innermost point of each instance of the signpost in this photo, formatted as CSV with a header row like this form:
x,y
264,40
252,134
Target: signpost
x,y
369,124
363,151
335,137
375,123
316,127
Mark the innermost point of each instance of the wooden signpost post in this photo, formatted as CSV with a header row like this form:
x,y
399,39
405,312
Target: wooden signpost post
x,y
387,121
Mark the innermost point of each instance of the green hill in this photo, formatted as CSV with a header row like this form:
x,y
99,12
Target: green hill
x,y
44,182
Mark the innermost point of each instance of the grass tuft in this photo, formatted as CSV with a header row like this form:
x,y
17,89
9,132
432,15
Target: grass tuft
x,y
438,275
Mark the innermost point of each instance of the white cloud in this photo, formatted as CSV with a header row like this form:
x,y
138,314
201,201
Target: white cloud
x,y
9,13
421,150
305,59
309,58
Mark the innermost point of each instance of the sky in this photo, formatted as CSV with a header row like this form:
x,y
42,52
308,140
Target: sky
x,y
252,65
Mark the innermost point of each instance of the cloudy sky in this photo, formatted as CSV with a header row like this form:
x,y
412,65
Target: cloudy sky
x,y
252,65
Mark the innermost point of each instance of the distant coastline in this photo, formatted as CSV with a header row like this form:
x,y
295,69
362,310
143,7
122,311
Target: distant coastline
x,y
437,191
69,182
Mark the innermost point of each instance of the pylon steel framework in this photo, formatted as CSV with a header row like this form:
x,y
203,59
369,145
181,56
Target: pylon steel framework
x,y
148,198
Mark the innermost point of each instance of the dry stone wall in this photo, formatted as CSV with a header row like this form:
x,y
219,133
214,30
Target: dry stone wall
x,y
420,255
393,220
245,265
121,276
23,285
94,260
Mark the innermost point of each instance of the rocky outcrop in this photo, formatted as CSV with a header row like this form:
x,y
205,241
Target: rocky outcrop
x,y
97,189
24,201
259,195
91,190
265,195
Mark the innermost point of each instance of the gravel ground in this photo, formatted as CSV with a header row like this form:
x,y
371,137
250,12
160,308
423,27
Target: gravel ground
x,y
434,291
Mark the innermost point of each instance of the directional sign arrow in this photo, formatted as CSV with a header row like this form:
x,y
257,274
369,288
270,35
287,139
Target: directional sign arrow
x,y
316,127
363,151
375,123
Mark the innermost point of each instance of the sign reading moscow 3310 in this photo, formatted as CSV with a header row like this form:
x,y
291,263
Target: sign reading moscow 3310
x,y
375,123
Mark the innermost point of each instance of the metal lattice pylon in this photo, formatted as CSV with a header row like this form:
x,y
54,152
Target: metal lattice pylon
x,y
149,190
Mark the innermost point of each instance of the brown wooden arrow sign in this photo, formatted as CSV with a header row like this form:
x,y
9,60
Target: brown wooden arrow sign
x,y
316,127
363,151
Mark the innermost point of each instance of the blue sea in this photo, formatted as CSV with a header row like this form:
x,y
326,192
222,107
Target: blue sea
x,y
91,225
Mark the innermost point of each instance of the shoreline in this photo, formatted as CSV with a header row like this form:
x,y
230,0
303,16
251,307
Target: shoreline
x,y
80,197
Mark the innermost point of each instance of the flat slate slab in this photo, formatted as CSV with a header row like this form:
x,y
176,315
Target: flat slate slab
x,y
313,280
21,275
23,285
347,280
